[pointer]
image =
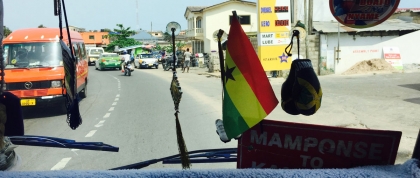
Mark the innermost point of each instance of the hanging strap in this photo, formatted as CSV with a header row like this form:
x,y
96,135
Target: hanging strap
x,y
296,34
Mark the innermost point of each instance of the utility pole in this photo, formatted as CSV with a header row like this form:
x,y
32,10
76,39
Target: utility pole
x,y
295,11
137,14
310,17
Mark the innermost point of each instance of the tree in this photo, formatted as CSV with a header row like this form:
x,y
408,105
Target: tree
x,y
167,37
119,37
158,47
41,26
107,30
7,31
95,30
180,45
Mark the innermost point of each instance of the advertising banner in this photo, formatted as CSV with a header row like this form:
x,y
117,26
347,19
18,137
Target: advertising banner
x,y
393,56
273,34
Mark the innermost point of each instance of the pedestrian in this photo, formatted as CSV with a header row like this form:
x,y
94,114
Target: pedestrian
x,y
187,58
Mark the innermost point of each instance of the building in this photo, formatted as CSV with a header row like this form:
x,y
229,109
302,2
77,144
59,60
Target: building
x,y
145,37
98,39
407,14
157,34
205,21
77,29
363,44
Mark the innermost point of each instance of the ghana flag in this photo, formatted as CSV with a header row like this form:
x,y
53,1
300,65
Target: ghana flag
x,y
248,95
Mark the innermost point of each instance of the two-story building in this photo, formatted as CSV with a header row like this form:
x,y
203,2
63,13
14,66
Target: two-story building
x,y
205,21
97,39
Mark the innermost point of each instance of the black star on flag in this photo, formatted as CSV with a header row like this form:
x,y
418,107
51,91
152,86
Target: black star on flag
x,y
228,73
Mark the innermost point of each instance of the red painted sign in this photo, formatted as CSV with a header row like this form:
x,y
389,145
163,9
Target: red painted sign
x,y
362,13
275,144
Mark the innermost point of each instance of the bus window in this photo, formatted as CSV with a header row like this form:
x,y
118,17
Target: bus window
x,y
76,51
42,54
84,51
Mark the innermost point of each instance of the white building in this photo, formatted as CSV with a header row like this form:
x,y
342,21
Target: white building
x,y
365,44
204,21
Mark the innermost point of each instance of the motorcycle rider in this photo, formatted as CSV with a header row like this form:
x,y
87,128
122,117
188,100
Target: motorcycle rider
x,y
125,58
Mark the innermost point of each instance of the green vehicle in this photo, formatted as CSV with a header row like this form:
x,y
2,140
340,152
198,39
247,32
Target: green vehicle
x,y
108,61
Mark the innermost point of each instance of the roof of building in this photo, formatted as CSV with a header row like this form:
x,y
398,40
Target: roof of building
x,y
407,10
143,35
196,8
202,8
229,1
388,25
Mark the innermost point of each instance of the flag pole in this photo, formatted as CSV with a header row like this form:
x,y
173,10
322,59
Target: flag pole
x,y
221,57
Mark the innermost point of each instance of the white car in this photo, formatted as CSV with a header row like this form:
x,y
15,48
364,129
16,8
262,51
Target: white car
x,y
93,55
146,60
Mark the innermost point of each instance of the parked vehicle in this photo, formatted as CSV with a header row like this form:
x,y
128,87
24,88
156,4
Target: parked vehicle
x,y
170,63
108,61
93,54
34,68
146,60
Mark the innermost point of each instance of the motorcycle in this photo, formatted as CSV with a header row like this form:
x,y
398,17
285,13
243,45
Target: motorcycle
x,y
127,68
170,64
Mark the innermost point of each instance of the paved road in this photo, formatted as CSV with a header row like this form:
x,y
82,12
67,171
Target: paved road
x,y
136,114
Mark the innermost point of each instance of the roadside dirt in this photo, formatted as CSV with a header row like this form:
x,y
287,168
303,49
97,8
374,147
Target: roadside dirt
x,y
369,66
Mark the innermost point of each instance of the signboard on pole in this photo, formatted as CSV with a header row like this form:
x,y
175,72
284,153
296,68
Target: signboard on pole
x,y
273,34
393,56
362,13
275,144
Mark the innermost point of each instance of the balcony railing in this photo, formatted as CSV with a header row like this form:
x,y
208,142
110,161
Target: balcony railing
x,y
196,32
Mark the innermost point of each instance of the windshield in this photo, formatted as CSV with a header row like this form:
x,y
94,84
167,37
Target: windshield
x,y
109,55
33,55
95,51
364,79
142,56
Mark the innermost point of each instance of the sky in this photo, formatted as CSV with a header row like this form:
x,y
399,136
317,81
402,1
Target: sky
x,y
99,14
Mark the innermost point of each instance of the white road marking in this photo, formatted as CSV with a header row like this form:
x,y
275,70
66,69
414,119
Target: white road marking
x,y
60,165
114,103
75,149
100,124
107,115
90,134
118,95
111,109
116,99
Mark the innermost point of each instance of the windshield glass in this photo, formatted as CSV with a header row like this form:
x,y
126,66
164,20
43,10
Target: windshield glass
x,y
279,65
33,55
146,56
109,55
96,51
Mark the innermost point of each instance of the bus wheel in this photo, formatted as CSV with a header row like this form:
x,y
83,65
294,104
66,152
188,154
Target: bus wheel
x,y
83,93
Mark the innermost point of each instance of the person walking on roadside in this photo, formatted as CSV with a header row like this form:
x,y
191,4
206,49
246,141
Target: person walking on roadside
x,y
187,58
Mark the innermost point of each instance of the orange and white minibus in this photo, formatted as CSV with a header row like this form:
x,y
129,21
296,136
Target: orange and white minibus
x,y
34,68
